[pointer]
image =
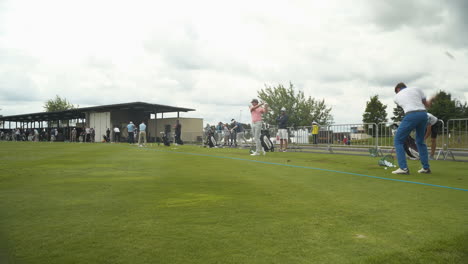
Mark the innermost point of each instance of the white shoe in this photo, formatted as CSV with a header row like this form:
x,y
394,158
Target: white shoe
x,y
401,171
426,171
255,154
264,153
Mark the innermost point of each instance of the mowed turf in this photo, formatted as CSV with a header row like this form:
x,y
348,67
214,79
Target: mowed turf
x,y
116,203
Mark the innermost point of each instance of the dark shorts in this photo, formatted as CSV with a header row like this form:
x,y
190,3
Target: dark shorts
x,y
436,128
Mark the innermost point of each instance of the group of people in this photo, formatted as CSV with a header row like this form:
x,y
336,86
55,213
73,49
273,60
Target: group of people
x,y
227,134
412,100
29,134
133,133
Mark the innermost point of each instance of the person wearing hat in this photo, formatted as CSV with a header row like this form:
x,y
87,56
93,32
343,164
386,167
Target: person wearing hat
x,y
238,131
256,111
283,130
315,131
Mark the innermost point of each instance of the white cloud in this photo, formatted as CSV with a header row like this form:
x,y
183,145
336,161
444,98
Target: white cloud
x,y
214,57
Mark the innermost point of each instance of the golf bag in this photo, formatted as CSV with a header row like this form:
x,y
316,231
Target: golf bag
x,y
210,140
165,140
265,140
410,148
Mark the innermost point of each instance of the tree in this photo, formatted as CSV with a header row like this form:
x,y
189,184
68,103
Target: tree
x,y
445,108
302,111
398,114
57,104
375,112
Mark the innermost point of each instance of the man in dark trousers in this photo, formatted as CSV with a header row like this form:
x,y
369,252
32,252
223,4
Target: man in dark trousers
x,y
178,133
131,130
434,125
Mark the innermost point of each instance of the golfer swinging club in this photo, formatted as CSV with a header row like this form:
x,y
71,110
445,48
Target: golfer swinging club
x,y
413,101
256,110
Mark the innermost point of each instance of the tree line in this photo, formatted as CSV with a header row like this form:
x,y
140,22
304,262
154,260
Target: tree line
x,y
303,110
444,107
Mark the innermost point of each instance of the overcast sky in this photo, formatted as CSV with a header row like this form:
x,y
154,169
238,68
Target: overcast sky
x,y
214,56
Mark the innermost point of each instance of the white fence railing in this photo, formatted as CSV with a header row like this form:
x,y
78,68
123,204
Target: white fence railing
x,y
452,136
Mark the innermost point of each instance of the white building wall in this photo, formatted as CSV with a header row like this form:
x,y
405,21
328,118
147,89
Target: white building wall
x,y
100,122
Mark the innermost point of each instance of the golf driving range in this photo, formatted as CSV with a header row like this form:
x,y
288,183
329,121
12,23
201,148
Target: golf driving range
x,y
117,203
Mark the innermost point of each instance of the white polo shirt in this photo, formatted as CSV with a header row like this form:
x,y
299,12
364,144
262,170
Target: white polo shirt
x,y
431,119
410,99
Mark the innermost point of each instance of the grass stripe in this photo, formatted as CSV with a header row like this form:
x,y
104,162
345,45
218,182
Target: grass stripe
x,y
313,168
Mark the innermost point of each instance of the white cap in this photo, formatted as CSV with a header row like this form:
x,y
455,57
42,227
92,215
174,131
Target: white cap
x,y
283,109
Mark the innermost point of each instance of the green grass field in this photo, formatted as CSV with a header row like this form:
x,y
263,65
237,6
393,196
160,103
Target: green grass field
x,y
115,203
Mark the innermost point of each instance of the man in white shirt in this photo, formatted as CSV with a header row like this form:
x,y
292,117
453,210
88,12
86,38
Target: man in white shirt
x,y
142,135
432,129
414,103
116,134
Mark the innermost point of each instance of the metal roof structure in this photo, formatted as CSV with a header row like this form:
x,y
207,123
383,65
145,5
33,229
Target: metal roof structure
x,y
78,113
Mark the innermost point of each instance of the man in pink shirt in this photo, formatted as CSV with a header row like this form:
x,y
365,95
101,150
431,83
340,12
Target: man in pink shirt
x,y
256,110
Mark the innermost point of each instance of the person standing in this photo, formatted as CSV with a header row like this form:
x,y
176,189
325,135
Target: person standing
x,y
256,111
36,135
227,134
433,127
93,135
178,133
414,103
283,130
17,134
73,135
131,129
116,134
142,136
234,132
108,135
240,132
88,133
315,132
219,132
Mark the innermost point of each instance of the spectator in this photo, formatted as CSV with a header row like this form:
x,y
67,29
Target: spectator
x,y
73,135
36,135
108,135
178,133
131,129
227,134
233,133
93,134
239,131
315,132
219,132
116,134
142,137
18,134
283,129
88,135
